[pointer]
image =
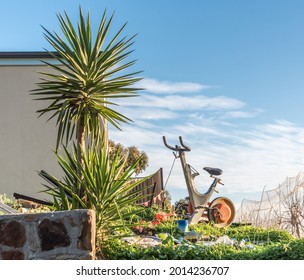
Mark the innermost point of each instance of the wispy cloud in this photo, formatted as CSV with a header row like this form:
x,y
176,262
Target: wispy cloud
x,y
168,87
148,113
242,114
250,159
189,103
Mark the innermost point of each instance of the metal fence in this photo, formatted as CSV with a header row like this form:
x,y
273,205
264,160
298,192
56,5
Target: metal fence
x,y
152,190
282,207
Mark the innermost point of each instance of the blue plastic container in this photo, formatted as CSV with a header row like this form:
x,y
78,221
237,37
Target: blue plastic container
x,y
182,225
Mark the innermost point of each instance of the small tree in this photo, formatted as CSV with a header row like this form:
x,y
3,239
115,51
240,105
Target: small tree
x,y
91,75
130,154
81,91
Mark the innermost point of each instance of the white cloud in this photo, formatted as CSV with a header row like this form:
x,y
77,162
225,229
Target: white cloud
x,y
189,103
147,114
168,87
142,137
193,130
242,114
279,127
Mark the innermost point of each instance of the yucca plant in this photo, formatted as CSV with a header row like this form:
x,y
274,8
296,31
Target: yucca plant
x,y
108,186
88,74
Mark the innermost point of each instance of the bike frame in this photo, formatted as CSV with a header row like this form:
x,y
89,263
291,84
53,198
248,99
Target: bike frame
x,y
198,200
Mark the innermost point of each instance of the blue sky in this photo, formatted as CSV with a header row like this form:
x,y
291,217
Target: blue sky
x,y
226,75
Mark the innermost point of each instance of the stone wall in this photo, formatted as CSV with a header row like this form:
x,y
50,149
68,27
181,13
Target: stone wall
x,y
53,235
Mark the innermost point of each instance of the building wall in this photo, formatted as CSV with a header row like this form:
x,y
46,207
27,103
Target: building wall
x,y
26,142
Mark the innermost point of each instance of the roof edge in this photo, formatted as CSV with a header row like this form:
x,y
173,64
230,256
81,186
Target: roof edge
x,y
24,55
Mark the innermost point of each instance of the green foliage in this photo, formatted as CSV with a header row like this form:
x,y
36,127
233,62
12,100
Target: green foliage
x,y
293,250
149,213
259,235
141,213
108,188
170,227
264,244
118,249
10,201
79,93
131,154
251,234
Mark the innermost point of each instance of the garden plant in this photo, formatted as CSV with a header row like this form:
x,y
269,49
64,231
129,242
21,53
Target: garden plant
x,y
89,73
249,243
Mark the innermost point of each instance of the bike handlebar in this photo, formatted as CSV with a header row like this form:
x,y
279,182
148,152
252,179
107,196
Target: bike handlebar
x,y
187,148
167,145
182,148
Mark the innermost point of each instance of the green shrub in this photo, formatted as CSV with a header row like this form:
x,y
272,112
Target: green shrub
x,y
259,235
116,249
143,213
107,187
10,201
264,244
293,250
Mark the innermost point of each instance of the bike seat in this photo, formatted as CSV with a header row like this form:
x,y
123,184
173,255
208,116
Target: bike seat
x,y
213,171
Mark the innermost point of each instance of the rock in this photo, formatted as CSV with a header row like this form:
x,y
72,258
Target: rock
x,y
12,255
52,234
145,242
150,241
86,240
191,236
12,233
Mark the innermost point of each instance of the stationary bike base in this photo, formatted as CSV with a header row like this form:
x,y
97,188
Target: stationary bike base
x,y
221,212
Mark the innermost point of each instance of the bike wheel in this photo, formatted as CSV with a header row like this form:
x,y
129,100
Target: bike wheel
x,y
221,212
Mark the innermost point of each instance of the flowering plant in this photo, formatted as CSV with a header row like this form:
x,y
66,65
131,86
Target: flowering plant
x,y
161,217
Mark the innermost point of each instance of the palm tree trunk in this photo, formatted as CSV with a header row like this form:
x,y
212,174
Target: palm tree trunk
x,y
104,134
80,138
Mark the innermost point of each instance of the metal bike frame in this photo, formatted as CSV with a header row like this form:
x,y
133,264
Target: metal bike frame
x,y
198,200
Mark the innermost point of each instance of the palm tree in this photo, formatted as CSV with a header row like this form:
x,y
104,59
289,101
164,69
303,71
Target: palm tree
x,y
90,74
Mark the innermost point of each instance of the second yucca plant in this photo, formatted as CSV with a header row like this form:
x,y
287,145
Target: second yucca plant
x,y
109,188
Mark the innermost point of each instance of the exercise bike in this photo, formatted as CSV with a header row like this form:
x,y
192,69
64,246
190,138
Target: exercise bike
x,y
221,210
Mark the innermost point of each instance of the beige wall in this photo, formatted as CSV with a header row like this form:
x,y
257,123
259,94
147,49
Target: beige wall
x,y
26,142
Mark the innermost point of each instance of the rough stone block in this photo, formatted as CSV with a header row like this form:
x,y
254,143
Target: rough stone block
x,y
86,240
12,233
12,255
52,235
